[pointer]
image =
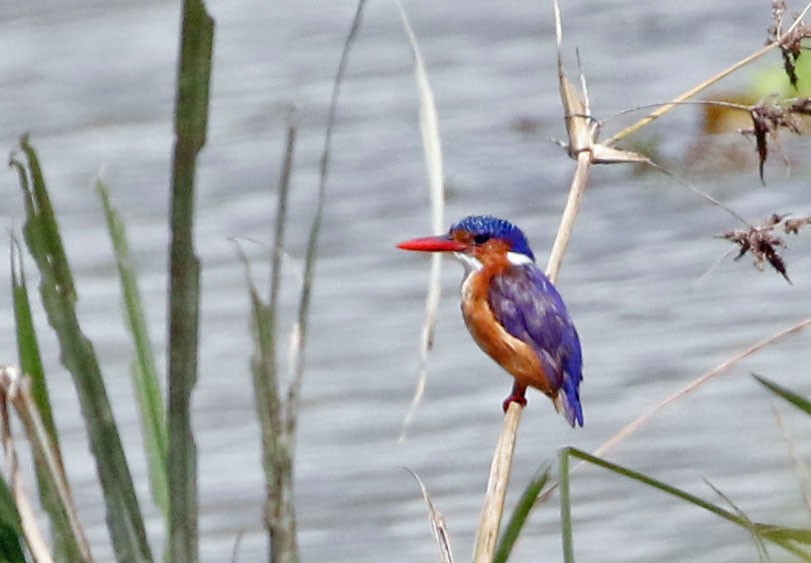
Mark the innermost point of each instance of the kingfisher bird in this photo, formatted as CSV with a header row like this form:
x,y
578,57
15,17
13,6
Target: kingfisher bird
x,y
512,310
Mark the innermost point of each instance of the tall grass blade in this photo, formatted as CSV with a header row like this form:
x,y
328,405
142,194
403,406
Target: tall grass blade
x,y
277,443
277,454
795,399
144,372
42,237
790,539
27,345
191,118
520,515
66,547
279,417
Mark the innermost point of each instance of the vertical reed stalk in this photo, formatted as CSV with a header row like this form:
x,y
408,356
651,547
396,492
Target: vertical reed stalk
x,y
581,139
191,116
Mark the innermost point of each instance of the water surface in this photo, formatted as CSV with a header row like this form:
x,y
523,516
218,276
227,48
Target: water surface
x,y
93,83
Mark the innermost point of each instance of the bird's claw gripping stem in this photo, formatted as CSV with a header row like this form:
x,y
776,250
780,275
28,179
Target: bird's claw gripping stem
x,y
518,395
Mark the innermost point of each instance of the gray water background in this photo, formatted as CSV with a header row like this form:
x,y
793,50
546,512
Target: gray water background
x,y
93,83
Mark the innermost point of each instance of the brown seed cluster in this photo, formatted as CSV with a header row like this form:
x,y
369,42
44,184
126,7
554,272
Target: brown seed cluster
x,y
764,242
789,41
768,117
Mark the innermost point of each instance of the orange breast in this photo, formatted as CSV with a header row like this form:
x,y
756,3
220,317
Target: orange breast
x,y
512,354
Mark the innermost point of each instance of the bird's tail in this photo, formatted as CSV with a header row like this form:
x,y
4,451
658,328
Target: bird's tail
x,y
567,403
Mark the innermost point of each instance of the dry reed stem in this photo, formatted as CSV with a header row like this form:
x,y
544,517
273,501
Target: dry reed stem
x,y
493,508
720,369
432,148
17,388
581,139
10,379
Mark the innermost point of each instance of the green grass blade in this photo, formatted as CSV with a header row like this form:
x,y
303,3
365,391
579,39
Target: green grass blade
x,y
779,538
11,532
798,535
45,227
191,117
144,372
66,547
519,516
27,345
797,400
42,237
566,506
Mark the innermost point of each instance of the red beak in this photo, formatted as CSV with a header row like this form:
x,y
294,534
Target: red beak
x,y
433,244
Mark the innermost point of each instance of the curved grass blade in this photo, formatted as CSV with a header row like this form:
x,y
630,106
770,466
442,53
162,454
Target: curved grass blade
x,y
144,372
789,539
519,516
795,399
432,150
763,553
42,237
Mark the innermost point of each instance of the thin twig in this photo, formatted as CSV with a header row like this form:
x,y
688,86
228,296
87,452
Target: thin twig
x,y
722,368
438,527
701,86
576,191
297,366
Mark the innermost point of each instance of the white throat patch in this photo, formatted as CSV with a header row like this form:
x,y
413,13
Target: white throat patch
x,y
470,262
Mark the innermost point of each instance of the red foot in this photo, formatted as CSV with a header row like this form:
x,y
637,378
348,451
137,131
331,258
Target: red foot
x,y
516,396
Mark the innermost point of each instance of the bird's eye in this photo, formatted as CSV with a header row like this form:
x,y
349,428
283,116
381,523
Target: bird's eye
x,y
481,239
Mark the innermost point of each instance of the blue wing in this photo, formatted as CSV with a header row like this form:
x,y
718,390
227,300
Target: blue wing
x,y
529,307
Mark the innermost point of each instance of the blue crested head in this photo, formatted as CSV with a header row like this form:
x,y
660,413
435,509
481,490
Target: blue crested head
x,y
487,226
